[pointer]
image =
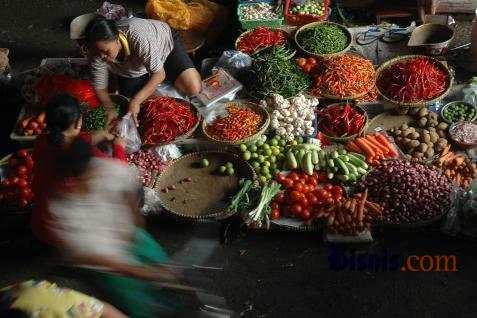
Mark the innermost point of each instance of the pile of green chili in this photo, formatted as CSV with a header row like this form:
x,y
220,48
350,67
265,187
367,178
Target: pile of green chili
x,y
323,39
274,71
95,119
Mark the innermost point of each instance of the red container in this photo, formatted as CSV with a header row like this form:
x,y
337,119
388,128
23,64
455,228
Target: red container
x,y
302,19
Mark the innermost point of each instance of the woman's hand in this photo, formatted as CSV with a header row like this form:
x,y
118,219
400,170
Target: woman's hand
x,y
100,136
119,141
134,108
111,115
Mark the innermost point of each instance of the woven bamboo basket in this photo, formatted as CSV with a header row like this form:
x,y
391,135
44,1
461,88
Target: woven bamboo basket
x,y
347,138
262,48
251,138
386,65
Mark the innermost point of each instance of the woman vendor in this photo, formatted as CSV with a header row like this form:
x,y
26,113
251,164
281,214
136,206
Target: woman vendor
x,y
142,53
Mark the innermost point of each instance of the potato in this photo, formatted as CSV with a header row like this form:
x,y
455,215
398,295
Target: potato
x,y
399,139
414,111
415,135
418,155
398,132
425,138
431,129
432,123
434,137
414,143
432,116
423,112
442,126
438,148
406,141
442,142
402,110
422,147
422,122
411,129
404,127
430,152
406,133
441,133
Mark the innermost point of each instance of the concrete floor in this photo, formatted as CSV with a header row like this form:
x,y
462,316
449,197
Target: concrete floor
x,y
274,274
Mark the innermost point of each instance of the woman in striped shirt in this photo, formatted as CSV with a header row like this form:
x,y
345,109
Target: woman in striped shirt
x,y
142,53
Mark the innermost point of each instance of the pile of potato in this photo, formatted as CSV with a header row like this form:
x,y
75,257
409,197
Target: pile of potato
x,y
423,138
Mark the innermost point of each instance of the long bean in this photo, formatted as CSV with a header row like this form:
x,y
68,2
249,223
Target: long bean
x,y
323,39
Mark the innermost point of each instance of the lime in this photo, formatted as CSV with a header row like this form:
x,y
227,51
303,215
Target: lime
x,y
247,155
243,147
229,165
253,148
276,151
204,163
272,159
261,158
266,164
265,170
268,152
266,146
230,171
274,142
254,155
222,169
255,164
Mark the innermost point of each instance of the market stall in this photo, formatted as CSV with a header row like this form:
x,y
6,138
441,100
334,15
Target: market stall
x,y
309,135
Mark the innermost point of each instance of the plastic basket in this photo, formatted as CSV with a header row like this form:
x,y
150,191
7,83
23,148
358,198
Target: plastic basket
x,y
250,24
302,19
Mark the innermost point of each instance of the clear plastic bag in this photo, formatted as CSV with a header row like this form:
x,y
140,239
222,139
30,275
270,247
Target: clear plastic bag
x,y
127,129
152,203
233,62
213,112
470,92
168,89
462,217
112,11
168,152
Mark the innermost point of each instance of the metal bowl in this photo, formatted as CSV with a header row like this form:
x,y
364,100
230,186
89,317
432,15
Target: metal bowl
x,y
461,144
456,103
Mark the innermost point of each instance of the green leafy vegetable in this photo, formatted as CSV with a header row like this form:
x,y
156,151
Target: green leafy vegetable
x,y
323,39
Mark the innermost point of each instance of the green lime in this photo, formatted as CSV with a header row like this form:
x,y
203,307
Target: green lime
x,y
266,146
253,148
229,165
230,171
204,163
222,169
256,164
294,142
243,147
283,142
262,179
265,170
266,164
272,159
299,139
276,151
274,142
259,143
261,158
247,155
268,152
254,155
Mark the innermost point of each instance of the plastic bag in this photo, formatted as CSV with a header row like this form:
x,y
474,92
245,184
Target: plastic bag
x,y
213,112
462,217
152,202
168,89
112,11
470,92
233,62
127,129
168,152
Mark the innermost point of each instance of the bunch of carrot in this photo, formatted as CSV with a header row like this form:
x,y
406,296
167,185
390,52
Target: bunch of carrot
x,y
375,147
352,216
457,168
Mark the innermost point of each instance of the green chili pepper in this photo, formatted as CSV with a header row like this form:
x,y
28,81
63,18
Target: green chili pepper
x,y
323,39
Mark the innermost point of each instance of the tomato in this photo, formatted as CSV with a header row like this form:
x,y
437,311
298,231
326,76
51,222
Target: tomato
x,y
6,183
296,209
32,125
22,153
307,68
298,187
13,161
285,211
337,191
311,61
29,164
328,187
275,206
301,62
14,180
330,201
305,214
296,196
22,183
22,170
304,202
313,183
280,198
312,199
25,193
294,177
275,214
280,178
22,203
288,183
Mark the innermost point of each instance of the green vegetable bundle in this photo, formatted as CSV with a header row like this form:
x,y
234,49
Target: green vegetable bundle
x,y
95,119
274,71
323,39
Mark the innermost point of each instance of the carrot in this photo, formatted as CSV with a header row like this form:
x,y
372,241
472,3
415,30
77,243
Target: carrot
x,y
361,206
376,149
458,178
351,146
374,208
368,151
384,141
371,139
446,150
353,207
459,160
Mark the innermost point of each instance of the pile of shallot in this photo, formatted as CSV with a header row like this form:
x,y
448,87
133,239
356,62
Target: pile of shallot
x,y
148,164
408,192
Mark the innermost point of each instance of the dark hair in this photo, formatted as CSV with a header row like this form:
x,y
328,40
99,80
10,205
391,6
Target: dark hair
x,y
13,313
74,160
61,112
101,29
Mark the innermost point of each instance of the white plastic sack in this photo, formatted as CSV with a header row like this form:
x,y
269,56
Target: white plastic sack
x,y
213,112
127,129
233,62
168,152
169,90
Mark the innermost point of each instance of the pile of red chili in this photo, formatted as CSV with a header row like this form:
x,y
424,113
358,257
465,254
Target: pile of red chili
x,y
340,120
163,119
347,75
240,123
415,80
260,38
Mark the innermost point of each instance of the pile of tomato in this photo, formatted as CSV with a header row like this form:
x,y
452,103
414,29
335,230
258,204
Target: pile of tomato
x,y
304,195
306,64
16,190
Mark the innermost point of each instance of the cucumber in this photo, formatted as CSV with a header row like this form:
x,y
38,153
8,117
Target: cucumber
x,y
291,160
341,165
330,175
362,171
344,158
351,168
314,157
357,161
358,155
331,163
307,162
342,151
322,155
343,178
352,178
334,154
300,154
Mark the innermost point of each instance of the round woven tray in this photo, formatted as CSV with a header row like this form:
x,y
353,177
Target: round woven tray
x,y
184,135
347,138
251,138
385,65
262,48
208,194
313,24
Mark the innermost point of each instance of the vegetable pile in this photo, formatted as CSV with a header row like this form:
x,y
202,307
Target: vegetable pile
x,y
458,168
344,76
303,199
239,123
303,156
323,38
293,117
341,120
409,192
95,119
148,164
415,80
274,71
312,7
163,119
460,112
424,138
259,38
375,147
352,216
15,190
32,126
257,11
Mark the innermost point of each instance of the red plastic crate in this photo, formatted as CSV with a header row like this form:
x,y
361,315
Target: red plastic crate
x,y
302,19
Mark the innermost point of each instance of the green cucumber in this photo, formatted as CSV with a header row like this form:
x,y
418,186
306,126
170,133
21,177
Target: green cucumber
x,y
291,160
358,155
342,151
314,157
300,154
341,165
357,161
322,155
362,171
352,178
343,178
344,158
351,168
307,163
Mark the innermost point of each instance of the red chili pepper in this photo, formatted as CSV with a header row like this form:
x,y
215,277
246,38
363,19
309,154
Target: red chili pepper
x,y
260,37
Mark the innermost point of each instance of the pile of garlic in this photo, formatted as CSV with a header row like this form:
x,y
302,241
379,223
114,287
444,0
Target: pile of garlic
x,y
258,11
291,117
